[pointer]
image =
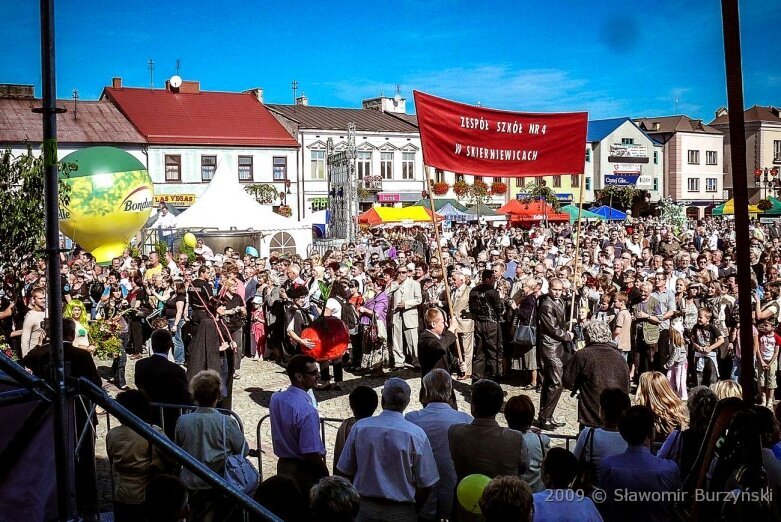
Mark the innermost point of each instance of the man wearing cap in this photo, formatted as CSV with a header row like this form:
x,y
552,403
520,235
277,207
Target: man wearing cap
x,y
389,460
461,323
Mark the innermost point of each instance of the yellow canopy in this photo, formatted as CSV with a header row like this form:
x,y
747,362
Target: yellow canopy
x,y
728,208
383,215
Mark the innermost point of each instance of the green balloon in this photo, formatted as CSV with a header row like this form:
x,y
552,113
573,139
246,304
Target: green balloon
x,y
469,491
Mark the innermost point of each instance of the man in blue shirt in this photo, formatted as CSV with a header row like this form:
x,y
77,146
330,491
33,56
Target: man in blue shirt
x,y
295,426
435,419
637,485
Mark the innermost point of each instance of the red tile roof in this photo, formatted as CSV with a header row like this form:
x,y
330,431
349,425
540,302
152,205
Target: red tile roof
x,y
96,122
202,118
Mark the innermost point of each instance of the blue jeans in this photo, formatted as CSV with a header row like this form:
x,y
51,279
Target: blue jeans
x,y
178,342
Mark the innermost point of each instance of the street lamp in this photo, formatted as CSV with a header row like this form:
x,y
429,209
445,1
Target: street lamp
x,y
768,179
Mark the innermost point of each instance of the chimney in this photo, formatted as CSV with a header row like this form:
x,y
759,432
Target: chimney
x,y
721,111
116,82
257,92
190,87
13,90
302,100
395,104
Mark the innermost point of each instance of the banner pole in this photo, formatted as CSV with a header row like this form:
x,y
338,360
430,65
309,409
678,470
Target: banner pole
x,y
577,246
430,186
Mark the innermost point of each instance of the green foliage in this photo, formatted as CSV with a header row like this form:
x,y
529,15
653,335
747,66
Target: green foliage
x,y
536,192
263,193
104,335
134,250
325,290
187,249
161,247
672,213
22,225
618,194
7,350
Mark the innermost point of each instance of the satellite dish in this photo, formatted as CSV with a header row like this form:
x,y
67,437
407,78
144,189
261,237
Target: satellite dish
x,y
175,81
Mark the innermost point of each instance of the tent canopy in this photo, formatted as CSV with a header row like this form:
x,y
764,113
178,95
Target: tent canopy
x,y
572,210
385,215
439,203
451,213
728,209
609,213
532,211
775,210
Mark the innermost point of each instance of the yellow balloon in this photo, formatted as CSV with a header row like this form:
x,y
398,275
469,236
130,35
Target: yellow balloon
x,y
111,197
469,491
189,239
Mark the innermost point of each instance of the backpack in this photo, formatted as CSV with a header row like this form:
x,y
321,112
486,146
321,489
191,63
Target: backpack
x,y
349,314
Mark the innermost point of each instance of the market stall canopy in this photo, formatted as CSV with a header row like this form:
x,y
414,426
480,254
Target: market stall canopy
x,y
441,202
532,211
399,216
485,213
572,210
775,210
728,209
609,213
451,213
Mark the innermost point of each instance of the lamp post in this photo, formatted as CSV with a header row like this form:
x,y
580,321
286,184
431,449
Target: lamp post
x,y
768,179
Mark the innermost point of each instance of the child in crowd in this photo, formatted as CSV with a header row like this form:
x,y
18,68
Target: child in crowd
x,y
677,364
767,359
577,330
705,342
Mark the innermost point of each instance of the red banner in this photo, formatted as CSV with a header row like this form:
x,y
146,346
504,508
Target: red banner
x,y
487,142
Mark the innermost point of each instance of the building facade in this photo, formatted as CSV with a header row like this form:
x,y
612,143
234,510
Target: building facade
x,y
191,134
693,161
763,150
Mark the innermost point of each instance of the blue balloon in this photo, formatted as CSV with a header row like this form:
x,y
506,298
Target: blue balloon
x,y
252,251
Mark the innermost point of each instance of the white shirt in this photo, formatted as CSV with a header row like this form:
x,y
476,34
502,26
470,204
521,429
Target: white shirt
x,y
335,307
165,223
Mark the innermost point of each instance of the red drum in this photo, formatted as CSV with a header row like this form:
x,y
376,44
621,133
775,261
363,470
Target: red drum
x,y
330,336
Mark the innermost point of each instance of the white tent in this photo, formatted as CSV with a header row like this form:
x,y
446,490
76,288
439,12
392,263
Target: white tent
x,y
225,206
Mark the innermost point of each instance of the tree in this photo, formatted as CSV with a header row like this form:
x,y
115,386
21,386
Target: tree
x,y
540,191
23,222
613,195
479,193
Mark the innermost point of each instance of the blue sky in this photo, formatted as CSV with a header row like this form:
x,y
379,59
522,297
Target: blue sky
x,y
609,58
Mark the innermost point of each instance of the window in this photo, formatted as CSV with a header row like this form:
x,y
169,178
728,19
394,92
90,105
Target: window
x,y
245,169
386,165
694,157
283,243
776,151
408,165
364,164
459,177
711,184
173,167
627,141
588,183
557,181
520,182
478,178
588,155
317,163
280,168
574,180
656,185
208,166
693,184
711,157
439,176
656,157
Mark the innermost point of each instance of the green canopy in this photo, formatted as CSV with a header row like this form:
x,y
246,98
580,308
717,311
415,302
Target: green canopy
x,y
572,210
441,202
775,210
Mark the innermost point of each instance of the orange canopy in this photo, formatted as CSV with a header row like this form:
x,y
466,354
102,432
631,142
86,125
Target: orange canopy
x,y
531,211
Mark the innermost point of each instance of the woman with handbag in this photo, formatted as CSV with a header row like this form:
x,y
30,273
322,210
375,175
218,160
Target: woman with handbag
x,y
373,329
523,347
213,439
139,302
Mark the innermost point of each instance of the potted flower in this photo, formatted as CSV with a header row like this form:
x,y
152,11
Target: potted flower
x,y
498,188
441,188
104,334
460,188
764,205
285,210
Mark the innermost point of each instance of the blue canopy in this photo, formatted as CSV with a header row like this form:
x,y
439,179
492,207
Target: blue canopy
x,y
609,213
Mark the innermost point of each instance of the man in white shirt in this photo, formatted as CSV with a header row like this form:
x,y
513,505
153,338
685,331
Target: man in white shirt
x,y
389,460
32,333
166,225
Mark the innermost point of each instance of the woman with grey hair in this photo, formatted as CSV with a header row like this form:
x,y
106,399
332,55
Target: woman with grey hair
x,y
525,359
598,366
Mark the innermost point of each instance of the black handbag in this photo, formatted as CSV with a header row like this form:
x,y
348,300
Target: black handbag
x,y
525,335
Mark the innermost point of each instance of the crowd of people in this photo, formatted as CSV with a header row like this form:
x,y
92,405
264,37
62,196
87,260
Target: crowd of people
x,y
638,320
